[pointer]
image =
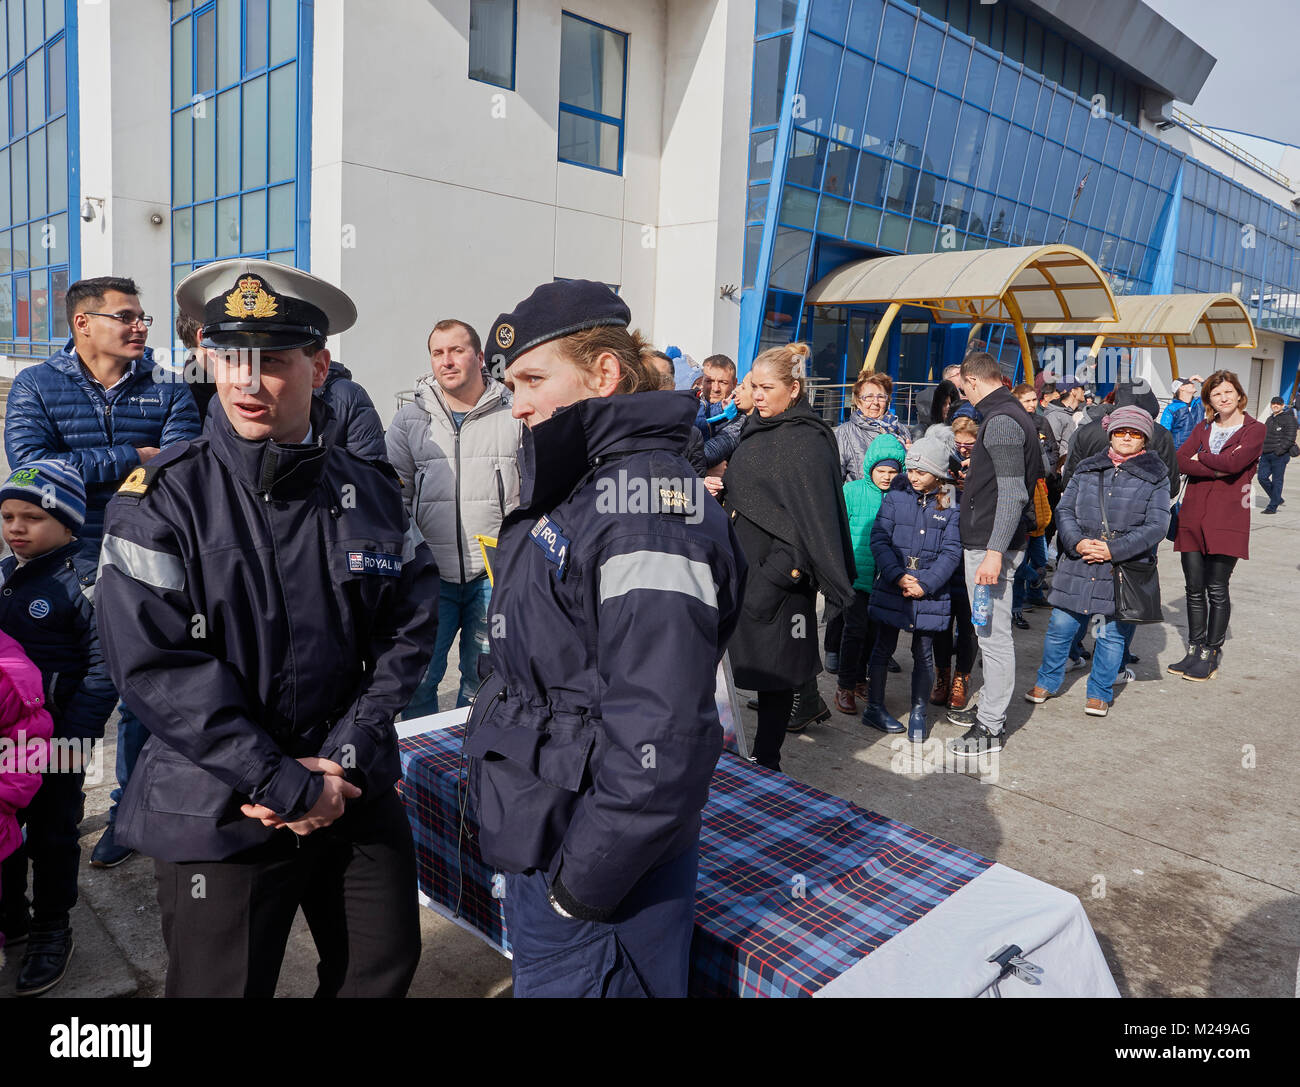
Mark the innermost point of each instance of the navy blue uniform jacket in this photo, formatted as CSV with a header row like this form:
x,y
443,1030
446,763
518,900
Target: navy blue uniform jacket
x,y
260,603
617,584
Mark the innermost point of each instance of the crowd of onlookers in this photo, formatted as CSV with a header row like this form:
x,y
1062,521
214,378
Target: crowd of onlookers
x,y
1013,499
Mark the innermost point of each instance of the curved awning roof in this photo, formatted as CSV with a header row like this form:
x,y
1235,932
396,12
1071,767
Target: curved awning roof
x,y
1149,320
1029,283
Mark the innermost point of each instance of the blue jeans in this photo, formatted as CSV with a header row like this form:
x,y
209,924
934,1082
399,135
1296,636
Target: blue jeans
x,y
131,735
1029,570
1272,471
461,607
1108,655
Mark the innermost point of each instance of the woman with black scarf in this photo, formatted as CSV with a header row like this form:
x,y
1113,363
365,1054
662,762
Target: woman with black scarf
x,y
782,491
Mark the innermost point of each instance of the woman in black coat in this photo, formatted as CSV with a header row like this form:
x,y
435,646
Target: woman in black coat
x,y
782,491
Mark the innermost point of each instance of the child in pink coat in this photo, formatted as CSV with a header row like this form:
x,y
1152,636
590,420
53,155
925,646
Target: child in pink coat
x,y
25,729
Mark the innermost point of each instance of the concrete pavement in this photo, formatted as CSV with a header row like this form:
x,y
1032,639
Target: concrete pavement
x,y
1173,819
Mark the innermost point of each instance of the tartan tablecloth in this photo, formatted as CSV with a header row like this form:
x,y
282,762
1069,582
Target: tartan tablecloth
x,y
795,885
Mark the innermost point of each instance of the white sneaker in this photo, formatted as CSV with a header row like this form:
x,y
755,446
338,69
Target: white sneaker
x,y
1125,675
1074,664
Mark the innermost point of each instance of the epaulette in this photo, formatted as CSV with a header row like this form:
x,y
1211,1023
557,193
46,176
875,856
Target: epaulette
x,y
137,484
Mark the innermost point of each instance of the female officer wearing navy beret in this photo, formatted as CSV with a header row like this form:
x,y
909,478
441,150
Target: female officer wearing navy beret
x,y
617,584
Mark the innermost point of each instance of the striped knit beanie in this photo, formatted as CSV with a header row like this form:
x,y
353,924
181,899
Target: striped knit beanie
x,y
54,486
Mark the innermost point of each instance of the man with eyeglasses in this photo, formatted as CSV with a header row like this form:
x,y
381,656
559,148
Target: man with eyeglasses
x,y
96,406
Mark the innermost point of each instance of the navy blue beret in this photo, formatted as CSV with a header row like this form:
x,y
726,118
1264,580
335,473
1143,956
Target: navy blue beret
x,y
554,310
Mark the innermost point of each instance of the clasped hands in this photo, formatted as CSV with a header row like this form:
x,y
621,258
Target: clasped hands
x,y
1094,550
910,586
328,807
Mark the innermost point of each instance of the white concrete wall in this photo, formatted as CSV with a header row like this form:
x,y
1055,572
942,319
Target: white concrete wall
x,y
1153,365
126,150
451,188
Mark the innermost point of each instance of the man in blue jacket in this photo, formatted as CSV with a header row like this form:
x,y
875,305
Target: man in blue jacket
x,y
266,608
97,406
1182,413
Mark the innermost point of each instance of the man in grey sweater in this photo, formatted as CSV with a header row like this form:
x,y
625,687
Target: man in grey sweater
x,y
1005,465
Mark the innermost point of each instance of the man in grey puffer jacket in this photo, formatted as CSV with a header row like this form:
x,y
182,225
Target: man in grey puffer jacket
x,y
456,449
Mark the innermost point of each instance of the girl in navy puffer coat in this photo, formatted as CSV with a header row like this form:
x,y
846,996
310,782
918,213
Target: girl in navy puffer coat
x,y
916,541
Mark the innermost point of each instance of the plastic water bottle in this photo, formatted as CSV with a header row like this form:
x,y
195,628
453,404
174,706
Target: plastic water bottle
x,y
981,608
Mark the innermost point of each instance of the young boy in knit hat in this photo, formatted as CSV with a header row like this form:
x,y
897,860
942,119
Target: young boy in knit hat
x,y
47,607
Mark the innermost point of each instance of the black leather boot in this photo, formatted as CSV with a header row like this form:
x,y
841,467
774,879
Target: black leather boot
x,y
49,950
1205,666
1181,667
809,707
874,716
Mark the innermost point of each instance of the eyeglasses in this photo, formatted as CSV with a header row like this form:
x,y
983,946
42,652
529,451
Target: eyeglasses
x,y
873,396
124,318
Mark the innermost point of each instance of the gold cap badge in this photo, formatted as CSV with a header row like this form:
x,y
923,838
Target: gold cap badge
x,y
250,299
505,336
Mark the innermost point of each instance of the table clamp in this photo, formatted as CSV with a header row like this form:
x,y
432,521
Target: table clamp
x,y
1013,963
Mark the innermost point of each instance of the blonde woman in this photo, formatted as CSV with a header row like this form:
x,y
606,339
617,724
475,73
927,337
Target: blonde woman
x,y
784,499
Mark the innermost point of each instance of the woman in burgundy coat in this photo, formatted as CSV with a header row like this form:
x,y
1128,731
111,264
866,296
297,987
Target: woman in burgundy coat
x,y
1219,459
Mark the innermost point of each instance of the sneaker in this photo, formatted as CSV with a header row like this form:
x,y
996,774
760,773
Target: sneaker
x,y
1125,674
963,718
976,742
894,666
49,951
1269,509
751,703
1019,621
1037,695
108,854
832,662
1074,664
1095,707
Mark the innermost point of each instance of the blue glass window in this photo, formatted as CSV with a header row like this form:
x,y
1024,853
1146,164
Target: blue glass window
x,y
1062,104
840,160
772,15
966,146
851,104
817,80
990,162
882,111
926,50
1013,166
593,89
869,185
979,82
762,149
1004,95
771,61
1094,136
492,42
896,37
1026,100
790,259
1067,179
952,68
864,26
943,126
807,156
915,117
828,17
236,147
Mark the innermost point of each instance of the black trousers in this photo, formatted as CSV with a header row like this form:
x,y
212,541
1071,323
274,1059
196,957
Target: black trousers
x,y
51,848
922,657
859,636
1208,604
226,923
773,715
959,635
834,628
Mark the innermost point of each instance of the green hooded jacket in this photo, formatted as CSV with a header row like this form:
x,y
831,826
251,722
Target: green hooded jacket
x,y
862,499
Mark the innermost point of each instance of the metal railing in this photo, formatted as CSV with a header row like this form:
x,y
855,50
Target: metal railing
x,y
1210,135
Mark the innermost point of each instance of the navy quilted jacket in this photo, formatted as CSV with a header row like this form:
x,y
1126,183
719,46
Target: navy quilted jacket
x,y
56,410
912,535
360,429
1137,509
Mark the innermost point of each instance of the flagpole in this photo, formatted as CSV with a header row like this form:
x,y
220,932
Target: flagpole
x,y
1078,192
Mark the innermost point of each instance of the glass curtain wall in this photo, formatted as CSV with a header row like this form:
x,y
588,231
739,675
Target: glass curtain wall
x,y
241,104
37,243
907,133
